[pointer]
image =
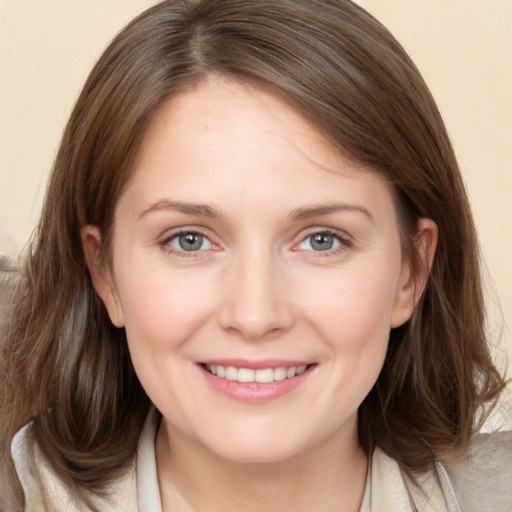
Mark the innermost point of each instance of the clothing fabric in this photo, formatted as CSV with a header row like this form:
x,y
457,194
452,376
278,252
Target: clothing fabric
x,y
481,482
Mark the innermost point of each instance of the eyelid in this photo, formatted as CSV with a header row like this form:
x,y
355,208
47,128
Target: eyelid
x,y
343,237
169,236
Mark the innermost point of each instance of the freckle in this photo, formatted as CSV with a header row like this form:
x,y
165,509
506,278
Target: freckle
x,y
206,127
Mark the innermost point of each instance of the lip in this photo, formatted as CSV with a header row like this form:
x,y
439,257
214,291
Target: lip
x,y
255,392
257,364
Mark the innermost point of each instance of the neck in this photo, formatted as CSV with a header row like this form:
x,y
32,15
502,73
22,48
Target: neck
x,y
191,478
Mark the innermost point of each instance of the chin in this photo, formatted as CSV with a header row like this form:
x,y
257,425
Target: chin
x,y
263,447
267,453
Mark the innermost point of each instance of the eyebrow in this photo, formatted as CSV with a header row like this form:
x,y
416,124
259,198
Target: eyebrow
x,y
202,210
316,211
303,213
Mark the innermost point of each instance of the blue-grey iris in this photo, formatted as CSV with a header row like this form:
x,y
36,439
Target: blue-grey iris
x,y
191,241
322,241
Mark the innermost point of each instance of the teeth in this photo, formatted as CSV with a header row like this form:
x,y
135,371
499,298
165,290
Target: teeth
x,y
301,369
291,371
245,375
231,373
263,376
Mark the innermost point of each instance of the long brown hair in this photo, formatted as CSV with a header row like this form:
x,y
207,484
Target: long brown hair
x,y
67,368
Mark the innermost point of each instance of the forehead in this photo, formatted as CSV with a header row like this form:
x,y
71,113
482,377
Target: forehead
x,y
223,140
218,107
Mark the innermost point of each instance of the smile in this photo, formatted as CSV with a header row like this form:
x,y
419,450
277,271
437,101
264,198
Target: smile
x,y
262,376
256,382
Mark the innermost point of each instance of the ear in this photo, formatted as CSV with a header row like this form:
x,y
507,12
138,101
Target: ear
x,y
101,278
412,282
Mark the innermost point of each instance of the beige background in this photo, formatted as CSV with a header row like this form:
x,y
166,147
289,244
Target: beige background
x,y
463,47
464,51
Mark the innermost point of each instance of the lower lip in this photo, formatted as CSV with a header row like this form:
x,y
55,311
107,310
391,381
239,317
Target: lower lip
x,y
255,392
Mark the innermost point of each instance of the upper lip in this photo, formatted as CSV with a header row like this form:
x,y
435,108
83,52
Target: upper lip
x,y
257,365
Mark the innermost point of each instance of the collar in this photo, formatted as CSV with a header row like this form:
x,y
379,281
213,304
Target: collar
x,y
387,488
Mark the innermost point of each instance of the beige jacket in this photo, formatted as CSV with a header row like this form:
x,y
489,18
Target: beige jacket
x,y
480,483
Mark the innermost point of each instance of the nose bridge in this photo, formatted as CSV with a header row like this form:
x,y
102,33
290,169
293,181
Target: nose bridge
x,y
255,301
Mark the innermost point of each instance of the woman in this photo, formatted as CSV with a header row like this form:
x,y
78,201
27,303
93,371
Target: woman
x,y
255,282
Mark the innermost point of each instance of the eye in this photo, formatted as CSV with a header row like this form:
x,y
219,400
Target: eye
x,y
189,241
320,241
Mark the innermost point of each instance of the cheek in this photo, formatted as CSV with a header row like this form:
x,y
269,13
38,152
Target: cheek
x,y
162,309
353,316
355,306
354,321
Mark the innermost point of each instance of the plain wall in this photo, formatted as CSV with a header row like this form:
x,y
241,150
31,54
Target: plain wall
x,y
464,50
47,48
462,47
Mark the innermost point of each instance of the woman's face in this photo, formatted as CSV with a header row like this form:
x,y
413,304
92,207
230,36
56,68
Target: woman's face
x,y
245,246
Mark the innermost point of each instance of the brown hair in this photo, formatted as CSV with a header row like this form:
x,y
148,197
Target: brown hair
x,y
67,368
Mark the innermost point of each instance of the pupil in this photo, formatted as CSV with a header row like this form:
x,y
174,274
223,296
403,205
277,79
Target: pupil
x,y
191,241
322,242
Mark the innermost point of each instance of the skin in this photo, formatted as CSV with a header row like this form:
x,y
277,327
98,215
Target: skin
x,y
257,289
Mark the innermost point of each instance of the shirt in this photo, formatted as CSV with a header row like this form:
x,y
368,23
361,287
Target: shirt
x,y
387,488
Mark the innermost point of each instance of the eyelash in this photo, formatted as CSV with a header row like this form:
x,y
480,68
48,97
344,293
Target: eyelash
x,y
345,242
165,243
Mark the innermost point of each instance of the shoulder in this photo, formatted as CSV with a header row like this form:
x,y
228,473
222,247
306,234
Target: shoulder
x,y
44,490
478,481
482,477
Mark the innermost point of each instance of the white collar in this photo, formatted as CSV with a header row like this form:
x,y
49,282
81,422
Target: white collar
x,y
387,488
148,493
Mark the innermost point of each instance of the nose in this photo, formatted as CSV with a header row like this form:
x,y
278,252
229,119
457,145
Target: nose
x,y
255,300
